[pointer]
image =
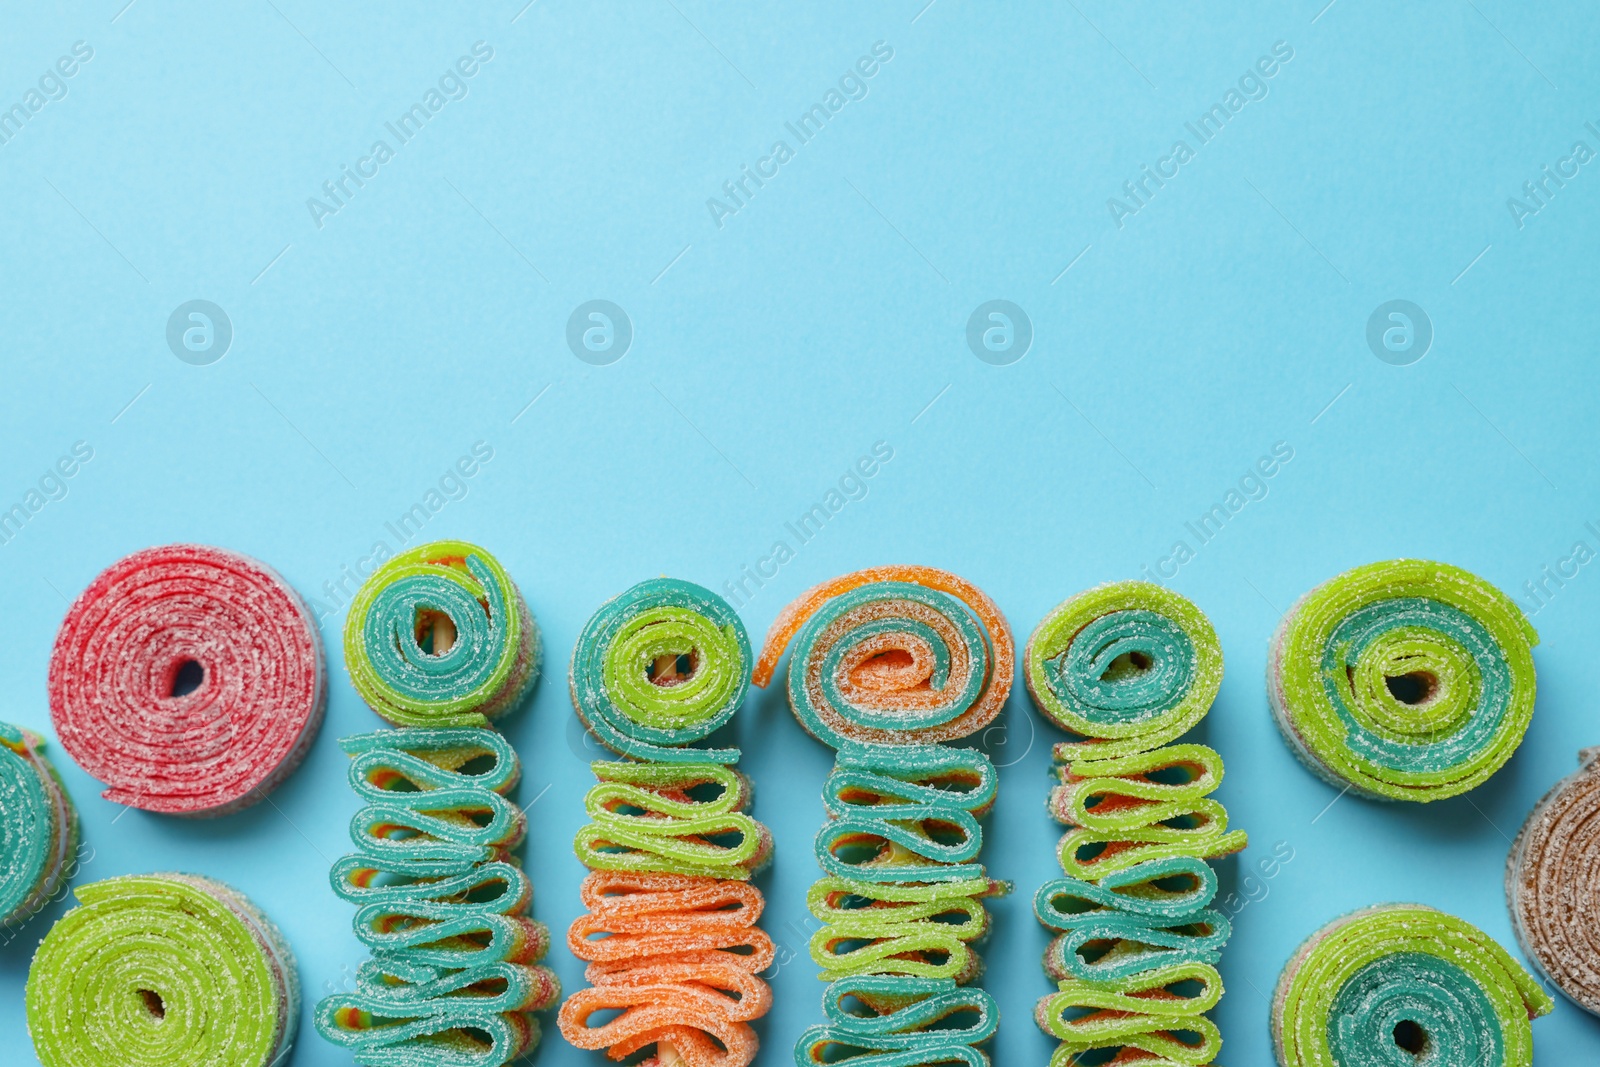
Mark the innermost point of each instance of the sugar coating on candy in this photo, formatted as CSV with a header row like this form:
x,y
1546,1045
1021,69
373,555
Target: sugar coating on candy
x,y
1404,680
895,1021
1133,809
162,970
118,657
660,667
38,826
674,818
401,618
1156,1018
889,662
1127,666
441,903
1407,975
678,957
1553,884
671,937
892,655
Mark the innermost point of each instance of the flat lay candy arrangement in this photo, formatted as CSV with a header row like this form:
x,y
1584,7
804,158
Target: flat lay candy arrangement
x,y
1405,682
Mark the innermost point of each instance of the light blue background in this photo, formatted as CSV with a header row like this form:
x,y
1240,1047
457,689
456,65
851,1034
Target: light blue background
x,y
828,314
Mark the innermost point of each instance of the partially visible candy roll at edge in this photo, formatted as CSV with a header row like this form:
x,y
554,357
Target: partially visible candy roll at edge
x,y
38,826
162,970
440,636
1553,884
892,655
121,657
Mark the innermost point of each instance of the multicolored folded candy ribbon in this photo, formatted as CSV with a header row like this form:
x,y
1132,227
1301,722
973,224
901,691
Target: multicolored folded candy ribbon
x,y
162,970
1127,668
1553,884
887,663
38,826
442,905
440,636
670,937
1405,680
1403,983
189,679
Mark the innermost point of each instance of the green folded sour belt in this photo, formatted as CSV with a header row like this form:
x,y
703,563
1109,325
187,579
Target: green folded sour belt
x,y
1128,666
1405,680
162,970
38,825
650,817
1159,1012
1402,983
488,667
619,687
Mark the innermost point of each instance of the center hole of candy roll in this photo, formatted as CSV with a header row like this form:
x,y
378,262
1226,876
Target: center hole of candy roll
x,y
1127,665
187,678
436,632
1414,688
671,670
1411,1037
153,1003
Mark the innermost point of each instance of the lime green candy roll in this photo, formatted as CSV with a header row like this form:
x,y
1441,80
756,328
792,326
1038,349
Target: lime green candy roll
x,y
659,667
440,636
1126,666
672,818
38,826
162,970
1405,680
1402,984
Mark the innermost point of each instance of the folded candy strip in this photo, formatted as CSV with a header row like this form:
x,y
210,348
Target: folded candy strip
x,y
1553,884
162,970
658,817
1403,680
1154,1019
900,1021
1409,976
134,636
439,635
38,826
670,935
887,663
441,904
1127,668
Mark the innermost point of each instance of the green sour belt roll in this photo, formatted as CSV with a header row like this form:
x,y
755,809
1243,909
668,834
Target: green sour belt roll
x,y
38,826
162,970
395,634
1403,983
1127,666
1404,680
